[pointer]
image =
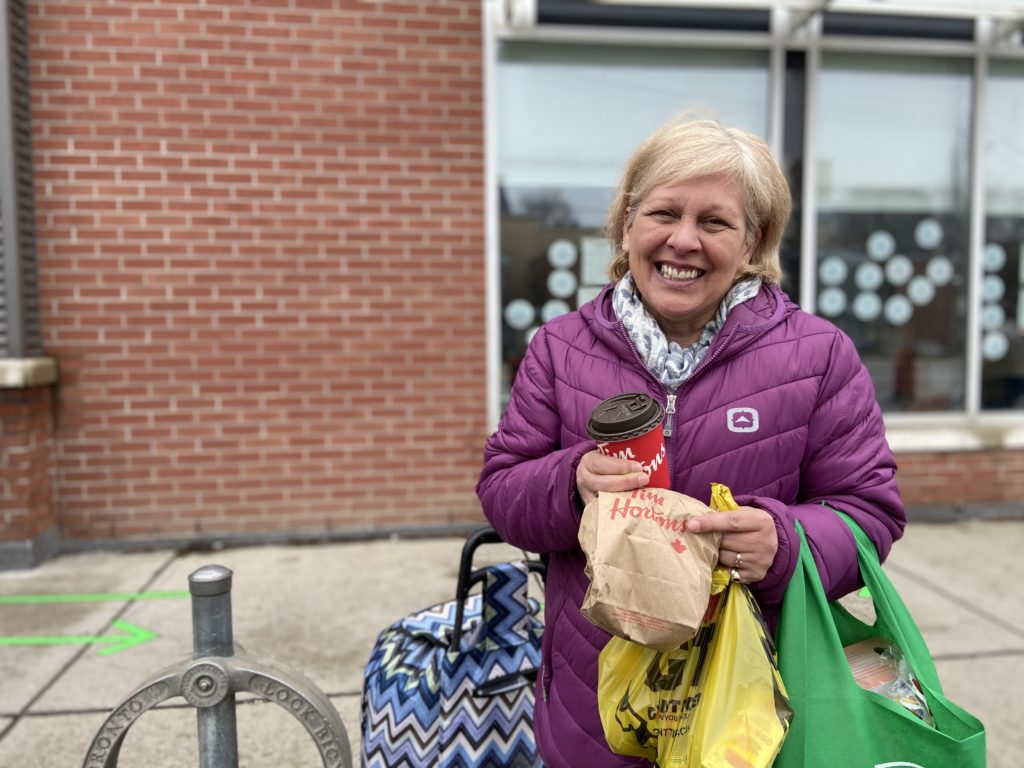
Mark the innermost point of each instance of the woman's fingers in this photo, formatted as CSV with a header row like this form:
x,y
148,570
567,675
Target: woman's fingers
x,y
597,472
749,541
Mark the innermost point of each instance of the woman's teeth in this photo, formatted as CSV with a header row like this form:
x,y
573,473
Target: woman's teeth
x,y
671,273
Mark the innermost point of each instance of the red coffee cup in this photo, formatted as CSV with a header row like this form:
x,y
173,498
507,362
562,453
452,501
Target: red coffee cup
x,y
629,426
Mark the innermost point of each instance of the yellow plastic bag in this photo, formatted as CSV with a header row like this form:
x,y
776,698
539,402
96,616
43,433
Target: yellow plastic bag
x,y
716,702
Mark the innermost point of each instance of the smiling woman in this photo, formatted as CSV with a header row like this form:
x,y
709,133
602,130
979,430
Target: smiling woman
x,y
758,395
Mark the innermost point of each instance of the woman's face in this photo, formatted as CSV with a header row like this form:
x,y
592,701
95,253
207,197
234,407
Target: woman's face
x,y
685,245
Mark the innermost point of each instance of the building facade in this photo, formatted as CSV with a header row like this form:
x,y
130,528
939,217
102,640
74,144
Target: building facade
x,y
284,257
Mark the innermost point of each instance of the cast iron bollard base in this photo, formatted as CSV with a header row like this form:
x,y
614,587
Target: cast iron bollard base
x,y
209,681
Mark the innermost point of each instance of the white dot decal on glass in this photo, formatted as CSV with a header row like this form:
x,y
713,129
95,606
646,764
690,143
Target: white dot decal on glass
x,y
994,347
562,253
898,309
899,270
519,313
832,271
553,309
881,245
992,317
867,307
921,291
832,302
928,233
994,257
562,283
869,276
531,333
940,270
992,288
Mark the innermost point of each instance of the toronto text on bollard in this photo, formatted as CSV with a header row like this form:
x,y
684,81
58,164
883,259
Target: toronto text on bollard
x,y
209,681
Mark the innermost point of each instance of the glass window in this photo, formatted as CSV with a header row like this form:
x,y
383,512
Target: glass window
x,y
893,202
1002,287
569,116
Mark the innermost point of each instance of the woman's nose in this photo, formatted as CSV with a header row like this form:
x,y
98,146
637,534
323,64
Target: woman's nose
x,y
685,235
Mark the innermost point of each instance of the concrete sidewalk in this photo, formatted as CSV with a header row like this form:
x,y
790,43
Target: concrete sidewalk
x,y
317,609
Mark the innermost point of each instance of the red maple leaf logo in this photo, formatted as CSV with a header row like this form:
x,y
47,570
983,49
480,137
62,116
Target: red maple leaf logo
x,y
678,546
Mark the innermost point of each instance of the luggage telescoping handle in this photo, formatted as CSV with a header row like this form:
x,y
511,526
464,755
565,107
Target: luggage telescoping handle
x,y
468,578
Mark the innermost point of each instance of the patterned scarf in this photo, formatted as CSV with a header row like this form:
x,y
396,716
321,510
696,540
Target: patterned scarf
x,y
669,362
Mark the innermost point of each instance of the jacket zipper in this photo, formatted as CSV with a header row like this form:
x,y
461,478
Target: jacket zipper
x,y
670,397
670,409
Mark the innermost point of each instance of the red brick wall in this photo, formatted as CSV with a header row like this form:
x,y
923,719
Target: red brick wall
x,y
954,479
26,463
261,250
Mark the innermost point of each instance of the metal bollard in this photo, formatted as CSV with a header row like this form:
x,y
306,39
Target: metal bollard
x,y
209,681
212,636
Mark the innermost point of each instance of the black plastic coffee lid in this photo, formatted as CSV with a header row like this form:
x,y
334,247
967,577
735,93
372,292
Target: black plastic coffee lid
x,y
624,416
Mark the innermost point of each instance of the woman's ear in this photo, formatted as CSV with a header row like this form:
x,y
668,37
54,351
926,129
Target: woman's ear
x,y
752,246
626,223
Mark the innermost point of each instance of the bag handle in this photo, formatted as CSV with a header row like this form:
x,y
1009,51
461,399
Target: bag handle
x,y
890,608
468,578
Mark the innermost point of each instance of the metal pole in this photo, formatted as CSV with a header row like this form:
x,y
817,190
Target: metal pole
x,y
12,344
212,636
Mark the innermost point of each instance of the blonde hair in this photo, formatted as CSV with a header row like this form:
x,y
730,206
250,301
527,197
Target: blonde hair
x,y
687,148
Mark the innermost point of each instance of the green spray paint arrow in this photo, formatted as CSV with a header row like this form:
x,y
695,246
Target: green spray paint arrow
x,y
135,636
104,597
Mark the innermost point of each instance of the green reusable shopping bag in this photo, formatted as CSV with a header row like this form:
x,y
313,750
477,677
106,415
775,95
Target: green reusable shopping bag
x,y
838,724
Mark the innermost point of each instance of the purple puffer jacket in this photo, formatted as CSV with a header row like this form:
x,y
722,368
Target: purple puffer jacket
x,y
813,434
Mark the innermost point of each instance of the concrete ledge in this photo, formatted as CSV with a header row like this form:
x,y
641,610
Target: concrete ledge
x,y
21,555
213,542
24,372
979,510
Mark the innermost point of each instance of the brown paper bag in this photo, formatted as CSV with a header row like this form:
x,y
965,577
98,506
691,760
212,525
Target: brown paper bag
x,y
650,581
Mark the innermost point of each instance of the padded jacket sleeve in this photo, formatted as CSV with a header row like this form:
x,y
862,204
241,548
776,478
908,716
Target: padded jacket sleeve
x,y
528,483
847,466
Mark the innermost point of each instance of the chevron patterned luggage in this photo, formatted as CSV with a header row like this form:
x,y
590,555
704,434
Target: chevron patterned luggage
x,y
452,685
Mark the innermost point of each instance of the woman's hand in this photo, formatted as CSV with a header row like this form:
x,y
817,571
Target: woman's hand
x,y
749,540
597,472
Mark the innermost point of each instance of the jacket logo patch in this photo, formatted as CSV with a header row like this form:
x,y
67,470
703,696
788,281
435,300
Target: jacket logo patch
x,y
742,420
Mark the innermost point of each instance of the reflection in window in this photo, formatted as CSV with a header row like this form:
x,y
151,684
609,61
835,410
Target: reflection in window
x,y
1002,288
569,116
893,181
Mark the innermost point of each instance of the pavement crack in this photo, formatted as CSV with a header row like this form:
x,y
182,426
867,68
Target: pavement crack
x,y
978,655
24,711
952,597
163,705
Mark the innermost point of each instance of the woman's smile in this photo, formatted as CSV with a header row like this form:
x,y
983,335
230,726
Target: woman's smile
x,y
682,274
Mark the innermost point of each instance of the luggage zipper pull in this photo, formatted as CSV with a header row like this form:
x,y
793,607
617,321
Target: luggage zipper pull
x,y
670,409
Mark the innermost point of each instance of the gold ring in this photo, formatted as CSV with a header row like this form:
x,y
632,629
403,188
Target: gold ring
x,y
734,574
738,563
